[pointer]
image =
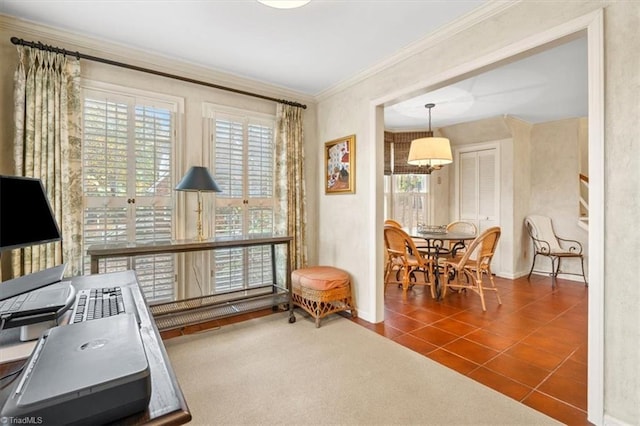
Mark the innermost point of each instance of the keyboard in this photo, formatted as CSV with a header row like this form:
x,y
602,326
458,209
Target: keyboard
x,y
98,303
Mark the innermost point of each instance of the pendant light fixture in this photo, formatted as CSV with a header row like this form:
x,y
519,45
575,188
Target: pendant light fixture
x,y
430,152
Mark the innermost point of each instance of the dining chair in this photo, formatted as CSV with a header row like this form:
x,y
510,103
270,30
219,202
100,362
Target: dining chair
x,y
474,265
392,266
402,251
462,227
547,243
420,243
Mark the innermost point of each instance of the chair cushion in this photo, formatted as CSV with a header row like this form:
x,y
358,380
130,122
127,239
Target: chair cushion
x,y
544,231
320,277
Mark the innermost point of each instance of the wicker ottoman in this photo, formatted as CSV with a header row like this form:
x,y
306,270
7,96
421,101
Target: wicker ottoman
x,y
322,290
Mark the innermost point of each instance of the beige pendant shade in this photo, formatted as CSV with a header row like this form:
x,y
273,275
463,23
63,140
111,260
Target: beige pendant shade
x,y
430,152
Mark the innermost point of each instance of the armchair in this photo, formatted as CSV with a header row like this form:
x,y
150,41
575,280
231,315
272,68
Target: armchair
x,y
547,243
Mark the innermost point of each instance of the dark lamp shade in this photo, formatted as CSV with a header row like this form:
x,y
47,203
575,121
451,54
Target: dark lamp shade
x,y
198,179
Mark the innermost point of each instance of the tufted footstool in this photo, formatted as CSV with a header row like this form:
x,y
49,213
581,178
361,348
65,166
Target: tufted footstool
x,y
322,290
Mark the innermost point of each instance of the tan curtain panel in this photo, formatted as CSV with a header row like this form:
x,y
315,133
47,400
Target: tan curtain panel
x,y
47,145
291,216
401,146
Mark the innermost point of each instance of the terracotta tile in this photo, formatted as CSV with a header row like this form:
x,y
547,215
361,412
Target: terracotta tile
x,y
399,307
581,354
563,334
443,309
170,334
541,332
479,319
566,390
434,335
557,409
519,370
535,356
500,383
452,361
386,330
425,316
517,322
491,340
543,313
415,344
471,351
573,370
452,326
555,346
402,322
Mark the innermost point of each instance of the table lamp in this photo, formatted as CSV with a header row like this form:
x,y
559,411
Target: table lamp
x,y
198,179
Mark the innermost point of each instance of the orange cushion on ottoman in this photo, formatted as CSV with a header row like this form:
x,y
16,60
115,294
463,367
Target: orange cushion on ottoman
x,y
322,290
320,277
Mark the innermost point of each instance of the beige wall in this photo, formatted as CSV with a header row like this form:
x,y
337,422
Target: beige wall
x,y
555,164
354,243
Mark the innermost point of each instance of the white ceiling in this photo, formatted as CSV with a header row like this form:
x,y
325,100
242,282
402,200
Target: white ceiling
x,y
313,48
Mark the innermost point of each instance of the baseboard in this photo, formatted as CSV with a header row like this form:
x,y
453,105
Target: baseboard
x,y
568,277
513,276
612,421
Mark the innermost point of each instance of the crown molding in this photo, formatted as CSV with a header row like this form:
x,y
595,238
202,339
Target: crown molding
x,y
119,52
489,9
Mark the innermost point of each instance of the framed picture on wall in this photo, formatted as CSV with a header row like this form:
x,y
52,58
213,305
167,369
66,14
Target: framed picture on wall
x,y
340,165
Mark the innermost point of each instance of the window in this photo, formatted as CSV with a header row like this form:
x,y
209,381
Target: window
x,y
128,144
407,199
243,165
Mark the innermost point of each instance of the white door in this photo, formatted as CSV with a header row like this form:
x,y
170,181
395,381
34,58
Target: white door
x,y
478,189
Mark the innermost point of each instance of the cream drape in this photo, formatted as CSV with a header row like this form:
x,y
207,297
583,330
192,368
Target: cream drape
x,y
47,145
291,217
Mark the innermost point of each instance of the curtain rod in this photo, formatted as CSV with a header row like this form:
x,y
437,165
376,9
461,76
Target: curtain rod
x,y
78,55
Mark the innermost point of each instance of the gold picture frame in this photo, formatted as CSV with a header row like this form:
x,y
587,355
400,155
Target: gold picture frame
x,y
340,165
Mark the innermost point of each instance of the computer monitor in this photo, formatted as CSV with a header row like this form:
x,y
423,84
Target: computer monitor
x,y
26,219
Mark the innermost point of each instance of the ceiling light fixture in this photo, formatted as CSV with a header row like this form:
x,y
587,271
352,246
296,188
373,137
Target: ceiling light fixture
x,y
284,4
431,152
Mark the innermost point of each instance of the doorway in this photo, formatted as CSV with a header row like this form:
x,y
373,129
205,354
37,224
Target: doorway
x,y
592,24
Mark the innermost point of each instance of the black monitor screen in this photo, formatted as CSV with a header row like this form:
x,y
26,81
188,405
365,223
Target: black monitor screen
x,y
26,217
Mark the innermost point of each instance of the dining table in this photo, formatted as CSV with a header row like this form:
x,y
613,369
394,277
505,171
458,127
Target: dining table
x,y
440,243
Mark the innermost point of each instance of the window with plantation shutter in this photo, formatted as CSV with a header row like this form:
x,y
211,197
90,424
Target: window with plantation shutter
x,y
243,165
127,178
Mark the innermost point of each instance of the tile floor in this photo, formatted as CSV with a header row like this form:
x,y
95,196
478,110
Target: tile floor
x,y
532,348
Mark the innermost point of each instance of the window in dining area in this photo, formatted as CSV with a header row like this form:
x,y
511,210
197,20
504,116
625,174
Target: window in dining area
x,y
406,187
406,199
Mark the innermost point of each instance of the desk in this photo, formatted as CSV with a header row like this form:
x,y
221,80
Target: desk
x,y
436,246
167,405
195,310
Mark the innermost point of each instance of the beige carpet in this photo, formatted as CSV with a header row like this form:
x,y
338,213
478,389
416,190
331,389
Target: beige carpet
x,y
267,371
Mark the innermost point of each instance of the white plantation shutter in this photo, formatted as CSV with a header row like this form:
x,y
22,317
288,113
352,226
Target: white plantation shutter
x,y
244,160
127,175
